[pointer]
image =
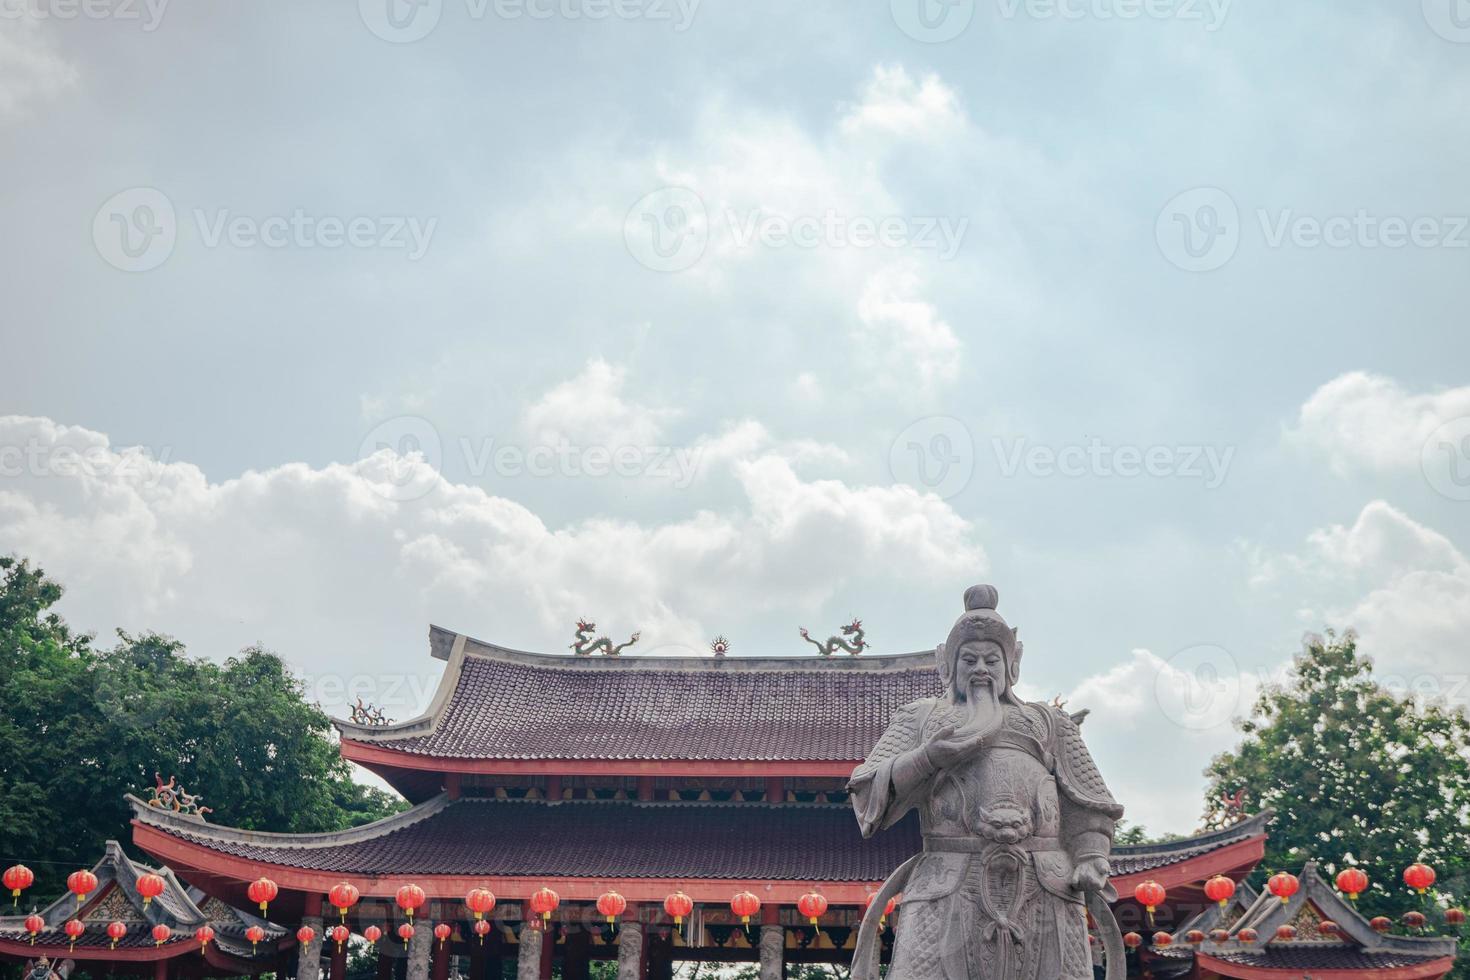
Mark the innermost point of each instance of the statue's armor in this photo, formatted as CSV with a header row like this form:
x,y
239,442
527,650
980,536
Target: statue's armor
x,y
991,895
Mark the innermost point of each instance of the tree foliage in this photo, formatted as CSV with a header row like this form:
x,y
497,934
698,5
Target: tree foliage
x,y
82,726
1356,776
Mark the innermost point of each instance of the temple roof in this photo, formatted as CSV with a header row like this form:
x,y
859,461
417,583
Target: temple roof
x,y
182,908
495,703
1355,945
615,839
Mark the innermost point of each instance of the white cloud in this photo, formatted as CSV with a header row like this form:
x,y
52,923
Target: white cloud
x,y
590,410
903,336
31,69
319,563
1367,420
894,104
1404,587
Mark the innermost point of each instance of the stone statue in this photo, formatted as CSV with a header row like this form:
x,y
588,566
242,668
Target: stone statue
x,y
1017,824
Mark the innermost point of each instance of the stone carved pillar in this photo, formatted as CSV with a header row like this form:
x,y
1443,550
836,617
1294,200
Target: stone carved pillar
x,y
528,959
309,959
773,951
630,951
420,947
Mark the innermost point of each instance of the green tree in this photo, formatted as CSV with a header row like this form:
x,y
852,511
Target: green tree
x,y
1356,776
82,726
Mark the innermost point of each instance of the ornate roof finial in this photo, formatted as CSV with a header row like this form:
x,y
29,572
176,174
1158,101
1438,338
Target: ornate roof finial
x,y
584,644
172,796
368,714
853,629
719,645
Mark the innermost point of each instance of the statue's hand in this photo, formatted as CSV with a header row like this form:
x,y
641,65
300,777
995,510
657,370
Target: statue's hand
x,y
1090,875
943,750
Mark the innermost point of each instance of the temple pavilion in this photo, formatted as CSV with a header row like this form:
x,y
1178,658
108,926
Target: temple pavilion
x,y
673,785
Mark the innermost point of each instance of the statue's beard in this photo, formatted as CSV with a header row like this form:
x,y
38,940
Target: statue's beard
x,y
982,701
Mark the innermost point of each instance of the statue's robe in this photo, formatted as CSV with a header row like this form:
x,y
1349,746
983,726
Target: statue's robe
x,y
990,898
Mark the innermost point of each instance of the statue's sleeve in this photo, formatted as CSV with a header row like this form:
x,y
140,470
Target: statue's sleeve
x,y
888,783
1089,811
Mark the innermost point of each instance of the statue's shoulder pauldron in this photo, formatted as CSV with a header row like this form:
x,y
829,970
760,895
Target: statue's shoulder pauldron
x,y
903,732
1077,774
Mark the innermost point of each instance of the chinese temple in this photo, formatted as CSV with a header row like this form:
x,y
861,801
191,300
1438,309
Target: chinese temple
x,y
570,809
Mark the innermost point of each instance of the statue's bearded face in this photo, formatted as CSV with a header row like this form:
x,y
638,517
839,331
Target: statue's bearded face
x,y
980,671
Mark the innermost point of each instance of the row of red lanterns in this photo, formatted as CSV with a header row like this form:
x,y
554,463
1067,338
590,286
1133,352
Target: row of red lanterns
x,y
76,928
1413,920
1352,882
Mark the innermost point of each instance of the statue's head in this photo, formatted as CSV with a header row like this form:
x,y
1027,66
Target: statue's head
x,y
981,652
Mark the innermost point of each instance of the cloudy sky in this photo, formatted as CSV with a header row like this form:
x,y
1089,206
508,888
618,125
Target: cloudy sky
x,y
325,321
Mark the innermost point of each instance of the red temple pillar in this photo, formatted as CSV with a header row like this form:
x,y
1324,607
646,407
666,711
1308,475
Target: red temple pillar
x,y
553,787
775,789
160,970
645,789
452,783
548,949
339,962
576,954
442,954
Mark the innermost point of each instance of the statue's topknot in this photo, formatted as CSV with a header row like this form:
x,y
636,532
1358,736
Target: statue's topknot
x,y
981,597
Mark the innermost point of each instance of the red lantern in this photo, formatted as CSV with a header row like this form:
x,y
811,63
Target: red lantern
x,y
1284,885
343,897
341,934
480,901
17,878
1247,936
887,908
746,904
34,924
255,934
74,930
1381,923
150,886
261,892
1327,927
1419,877
611,905
544,902
405,932
1352,883
411,897
1414,920
1194,937
1286,933
1220,889
161,933
81,884
678,905
441,933
305,935
1163,939
204,934
812,905
1219,935
1150,894
1132,940
482,929
372,934
115,931
1454,917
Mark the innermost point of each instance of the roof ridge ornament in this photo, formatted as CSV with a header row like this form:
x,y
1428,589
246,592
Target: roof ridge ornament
x,y
172,796
853,629
584,644
368,715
